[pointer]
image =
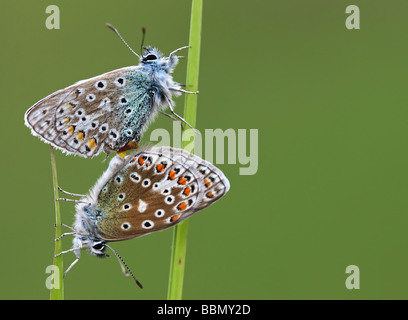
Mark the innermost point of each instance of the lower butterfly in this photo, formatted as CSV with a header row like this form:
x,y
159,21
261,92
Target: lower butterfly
x,y
150,190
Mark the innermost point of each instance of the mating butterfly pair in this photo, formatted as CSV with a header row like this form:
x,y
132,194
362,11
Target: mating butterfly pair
x,y
150,190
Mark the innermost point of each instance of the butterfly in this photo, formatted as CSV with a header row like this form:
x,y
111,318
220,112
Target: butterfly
x,y
111,111
150,190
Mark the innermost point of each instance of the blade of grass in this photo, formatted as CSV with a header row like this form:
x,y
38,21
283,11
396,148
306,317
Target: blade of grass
x,y
178,255
57,290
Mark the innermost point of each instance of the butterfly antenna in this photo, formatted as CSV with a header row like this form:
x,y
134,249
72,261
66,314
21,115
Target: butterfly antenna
x,y
123,40
143,38
123,264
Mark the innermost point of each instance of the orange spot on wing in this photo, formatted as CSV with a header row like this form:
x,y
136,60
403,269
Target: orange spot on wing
x,y
141,161
182,206
66,120
70,130
80,136
174,218
159,168
182,180
172,175
207,183
187,191
70,106
209,194
92,143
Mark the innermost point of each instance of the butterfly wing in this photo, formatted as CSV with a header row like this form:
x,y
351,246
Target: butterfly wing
x,y
103,113
154,190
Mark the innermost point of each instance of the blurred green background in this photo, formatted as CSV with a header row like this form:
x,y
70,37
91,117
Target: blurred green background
x,y
330,105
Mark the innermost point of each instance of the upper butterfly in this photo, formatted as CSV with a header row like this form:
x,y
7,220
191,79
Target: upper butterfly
x,y
108,112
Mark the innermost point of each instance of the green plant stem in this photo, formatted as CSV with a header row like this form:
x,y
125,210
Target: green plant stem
x,y
178,254
57,291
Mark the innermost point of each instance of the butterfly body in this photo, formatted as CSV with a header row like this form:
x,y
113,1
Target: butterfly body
x,y
149,191
107,112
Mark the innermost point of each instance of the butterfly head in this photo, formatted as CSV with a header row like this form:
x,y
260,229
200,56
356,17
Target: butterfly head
x,y
97,248
151,55
154,59
85,227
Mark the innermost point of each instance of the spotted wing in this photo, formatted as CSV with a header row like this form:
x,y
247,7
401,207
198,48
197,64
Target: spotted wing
x,y
155,189
103,113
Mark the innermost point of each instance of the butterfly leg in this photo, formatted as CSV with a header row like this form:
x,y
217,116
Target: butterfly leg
x,y
180,118
71,200
130,146
68,227
179,49
171,117
168,115
66,251
73,233
70,267
70,193
65,234
184,91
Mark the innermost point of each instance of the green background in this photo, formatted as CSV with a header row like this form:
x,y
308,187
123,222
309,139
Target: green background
x,y
330,106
